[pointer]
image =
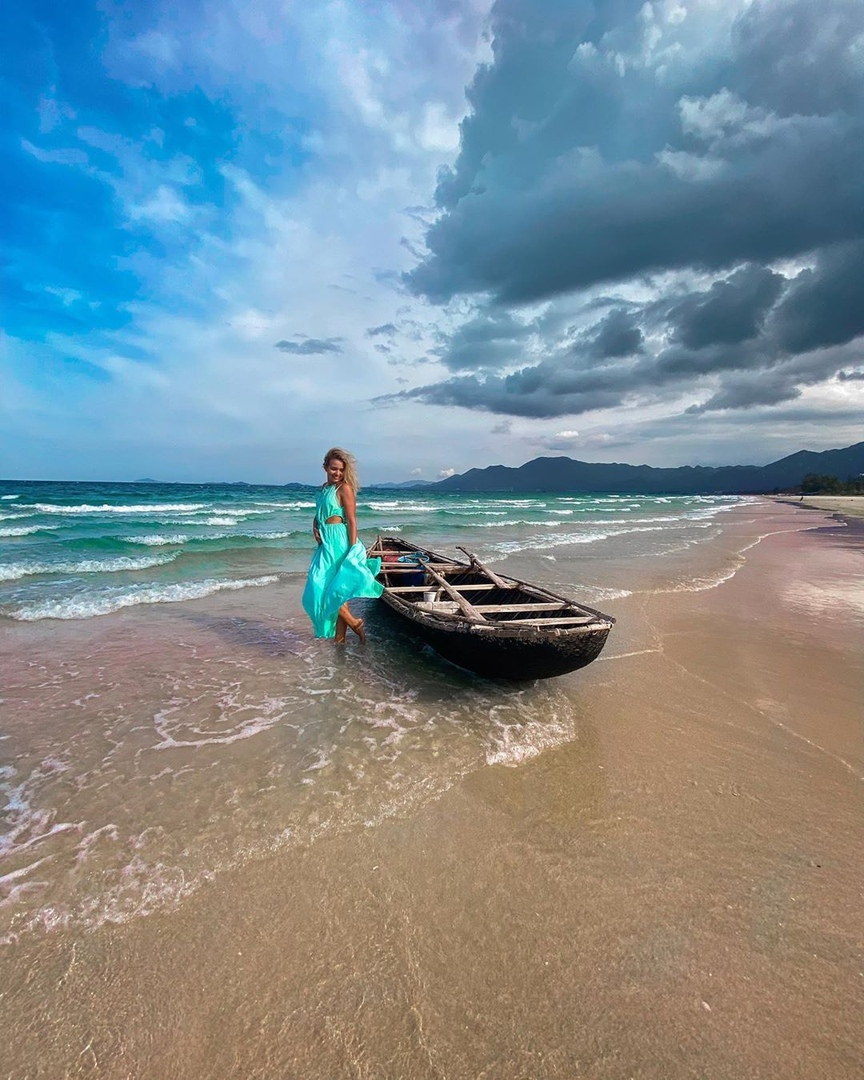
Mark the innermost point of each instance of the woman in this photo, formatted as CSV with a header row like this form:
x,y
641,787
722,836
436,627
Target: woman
x,y
340,569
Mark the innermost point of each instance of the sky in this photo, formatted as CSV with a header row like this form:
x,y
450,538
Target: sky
x,y
443,234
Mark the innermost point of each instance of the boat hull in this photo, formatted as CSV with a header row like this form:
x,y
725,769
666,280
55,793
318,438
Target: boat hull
x,y
514,658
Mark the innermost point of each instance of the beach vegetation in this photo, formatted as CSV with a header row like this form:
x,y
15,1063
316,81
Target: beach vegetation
x,y
819,484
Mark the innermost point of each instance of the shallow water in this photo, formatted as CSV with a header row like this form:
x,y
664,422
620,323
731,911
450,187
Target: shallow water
x,y
173,746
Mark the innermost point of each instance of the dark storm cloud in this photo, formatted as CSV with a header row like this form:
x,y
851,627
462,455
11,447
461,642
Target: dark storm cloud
x,y
630,142
731,311
556,386
747,392
736,332
311,346
800,57
618,335
492,339
579,165
516,395
825,306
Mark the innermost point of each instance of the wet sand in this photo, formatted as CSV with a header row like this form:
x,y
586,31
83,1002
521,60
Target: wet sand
x,y
675,892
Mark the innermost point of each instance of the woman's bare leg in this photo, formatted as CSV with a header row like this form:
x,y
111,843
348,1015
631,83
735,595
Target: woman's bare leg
x,y
348,619
341,626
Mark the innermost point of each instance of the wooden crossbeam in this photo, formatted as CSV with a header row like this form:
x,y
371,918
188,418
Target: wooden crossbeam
x,y
469,609
482,566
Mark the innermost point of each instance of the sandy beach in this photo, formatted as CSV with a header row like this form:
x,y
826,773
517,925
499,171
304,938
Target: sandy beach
x,y
847,506
672,891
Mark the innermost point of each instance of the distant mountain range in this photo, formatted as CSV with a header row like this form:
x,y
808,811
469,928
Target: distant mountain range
x,y
404,484
566,474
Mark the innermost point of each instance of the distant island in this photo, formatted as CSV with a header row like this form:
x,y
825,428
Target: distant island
x,y
405,484
556,474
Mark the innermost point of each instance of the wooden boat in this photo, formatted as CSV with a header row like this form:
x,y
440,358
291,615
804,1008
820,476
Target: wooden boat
x,y
493,625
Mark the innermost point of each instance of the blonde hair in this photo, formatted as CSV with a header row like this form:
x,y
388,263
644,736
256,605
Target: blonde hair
x,y
350,463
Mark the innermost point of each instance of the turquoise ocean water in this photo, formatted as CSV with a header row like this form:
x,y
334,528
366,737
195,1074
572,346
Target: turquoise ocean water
x,y
81,550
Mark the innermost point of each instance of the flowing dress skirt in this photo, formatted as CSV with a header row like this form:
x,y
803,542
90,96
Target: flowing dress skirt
x,y
337,573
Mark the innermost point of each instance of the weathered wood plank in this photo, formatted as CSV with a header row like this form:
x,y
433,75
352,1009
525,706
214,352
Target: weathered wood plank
x,y
469,609
552,622
407,568
559,606
485,587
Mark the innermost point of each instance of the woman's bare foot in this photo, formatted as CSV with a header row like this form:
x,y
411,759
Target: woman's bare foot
x,y
347,620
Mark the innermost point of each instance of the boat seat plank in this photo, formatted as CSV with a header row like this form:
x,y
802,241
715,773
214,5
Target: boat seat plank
x,y
524,607
553,621
408,568
485,587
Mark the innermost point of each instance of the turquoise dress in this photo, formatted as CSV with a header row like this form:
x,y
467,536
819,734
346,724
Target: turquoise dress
x,y
339,572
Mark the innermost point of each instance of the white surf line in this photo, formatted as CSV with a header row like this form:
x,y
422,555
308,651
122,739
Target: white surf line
x,y
747,705
815,745
750,707
739,556
624,655
779,532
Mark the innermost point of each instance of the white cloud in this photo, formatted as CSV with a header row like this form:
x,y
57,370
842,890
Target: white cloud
x,y
60,156
67,297
165,204
691,167
439,131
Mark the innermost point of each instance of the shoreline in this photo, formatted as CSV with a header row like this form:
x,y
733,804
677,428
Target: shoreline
x,y
848,507
672,892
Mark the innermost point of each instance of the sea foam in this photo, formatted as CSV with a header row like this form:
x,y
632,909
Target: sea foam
x,y
14,571
114,599
108,508
156,540
19,530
